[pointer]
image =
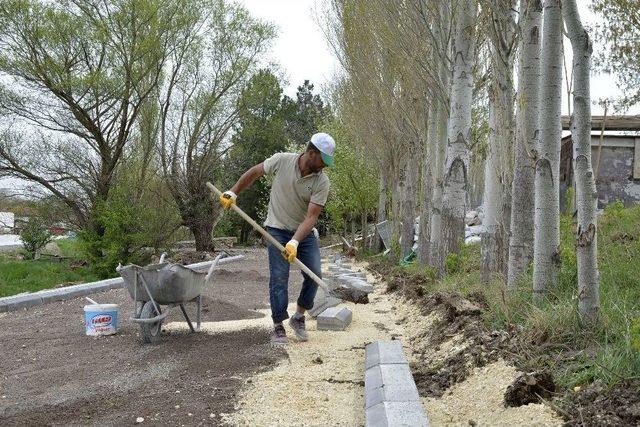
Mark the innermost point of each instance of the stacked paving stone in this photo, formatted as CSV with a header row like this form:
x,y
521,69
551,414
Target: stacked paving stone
x,y
339,272
391,395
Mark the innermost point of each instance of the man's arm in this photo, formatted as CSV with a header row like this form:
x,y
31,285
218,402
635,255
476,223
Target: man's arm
x,y
228,198
305,227
248,178
291,249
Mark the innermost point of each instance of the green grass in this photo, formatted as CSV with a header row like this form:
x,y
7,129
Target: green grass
x,y
17,276
553,335
70,248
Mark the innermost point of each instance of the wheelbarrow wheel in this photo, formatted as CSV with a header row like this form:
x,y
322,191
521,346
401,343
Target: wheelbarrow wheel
x,y
150,332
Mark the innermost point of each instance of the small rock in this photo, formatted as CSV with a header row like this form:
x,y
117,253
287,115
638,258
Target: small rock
x,y
212,415
189,414
472,423
317,360
139,420
177,407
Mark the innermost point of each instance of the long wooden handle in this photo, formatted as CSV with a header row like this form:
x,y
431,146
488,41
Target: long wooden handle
x,y
271,239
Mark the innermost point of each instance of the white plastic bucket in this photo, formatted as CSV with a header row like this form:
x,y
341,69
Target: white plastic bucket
x,y
101,319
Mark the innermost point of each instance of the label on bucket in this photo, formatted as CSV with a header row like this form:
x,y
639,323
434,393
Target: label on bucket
x,y
100,321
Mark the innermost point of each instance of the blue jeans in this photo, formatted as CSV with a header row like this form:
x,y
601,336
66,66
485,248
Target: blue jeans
x,y
309,254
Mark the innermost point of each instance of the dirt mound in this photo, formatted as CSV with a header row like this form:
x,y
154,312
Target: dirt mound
x,y
214,310
410,286
529,388
597,405
457,341
187,257
240,276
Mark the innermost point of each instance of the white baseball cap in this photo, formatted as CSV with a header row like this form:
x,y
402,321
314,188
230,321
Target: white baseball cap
x,y
325,143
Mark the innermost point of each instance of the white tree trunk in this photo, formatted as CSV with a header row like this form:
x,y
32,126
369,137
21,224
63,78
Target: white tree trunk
x,y
586,195
408,212
459,133
427,186
497,171
398,180
381,213
522,202
546,257
436,259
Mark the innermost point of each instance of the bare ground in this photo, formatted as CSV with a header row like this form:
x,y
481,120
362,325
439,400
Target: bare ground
x,y
51,373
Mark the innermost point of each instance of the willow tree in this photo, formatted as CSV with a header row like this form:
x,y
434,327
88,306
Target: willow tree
x,y
546,255
586,194
209,66
75,77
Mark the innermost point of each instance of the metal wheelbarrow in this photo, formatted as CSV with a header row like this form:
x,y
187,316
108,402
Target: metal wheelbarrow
x,y
168,284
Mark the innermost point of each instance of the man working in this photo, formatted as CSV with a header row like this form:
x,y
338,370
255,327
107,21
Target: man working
x,y
298,193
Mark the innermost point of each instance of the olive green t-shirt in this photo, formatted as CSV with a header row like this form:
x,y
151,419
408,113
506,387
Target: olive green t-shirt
x,y
291,193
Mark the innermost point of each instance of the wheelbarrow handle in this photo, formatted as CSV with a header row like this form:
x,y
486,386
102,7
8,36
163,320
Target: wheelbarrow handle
x,y
271,239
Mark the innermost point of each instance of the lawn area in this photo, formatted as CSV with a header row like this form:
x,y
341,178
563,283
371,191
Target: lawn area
x,y
18,276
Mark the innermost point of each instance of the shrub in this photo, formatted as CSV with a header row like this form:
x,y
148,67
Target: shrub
x,y
35,235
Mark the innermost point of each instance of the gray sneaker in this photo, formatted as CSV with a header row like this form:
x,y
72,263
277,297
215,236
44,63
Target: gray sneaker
x,y
279,335
298,328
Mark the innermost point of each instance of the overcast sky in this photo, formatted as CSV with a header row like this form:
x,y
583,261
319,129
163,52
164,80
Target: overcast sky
x,y
302,52
300,49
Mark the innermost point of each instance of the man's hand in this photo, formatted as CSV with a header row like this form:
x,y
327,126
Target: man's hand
x,y
227,199
290,251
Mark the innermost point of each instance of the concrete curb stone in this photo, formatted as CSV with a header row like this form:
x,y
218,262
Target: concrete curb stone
x,y
391,395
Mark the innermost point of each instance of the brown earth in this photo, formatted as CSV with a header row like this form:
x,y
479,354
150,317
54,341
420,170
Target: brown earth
x,y
454,316
51,373
596,405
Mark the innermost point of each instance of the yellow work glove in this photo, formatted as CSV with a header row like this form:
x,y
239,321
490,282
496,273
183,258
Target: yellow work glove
x,y
227,199
290,250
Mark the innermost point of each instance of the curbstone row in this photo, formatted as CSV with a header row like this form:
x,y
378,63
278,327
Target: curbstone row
x,y
391,395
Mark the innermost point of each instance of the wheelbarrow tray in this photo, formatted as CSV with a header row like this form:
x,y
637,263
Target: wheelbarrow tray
x,y
168,283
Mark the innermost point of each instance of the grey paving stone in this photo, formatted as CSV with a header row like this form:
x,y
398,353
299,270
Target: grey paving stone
x,y
394,414
384,352
389,383
389,374
359,284
321,302
334,319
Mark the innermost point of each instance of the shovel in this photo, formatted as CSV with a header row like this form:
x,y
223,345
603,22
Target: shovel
x,y
341,291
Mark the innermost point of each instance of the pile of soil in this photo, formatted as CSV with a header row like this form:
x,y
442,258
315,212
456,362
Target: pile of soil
x,y
215,310
186,256
597,405
530,387
455,316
